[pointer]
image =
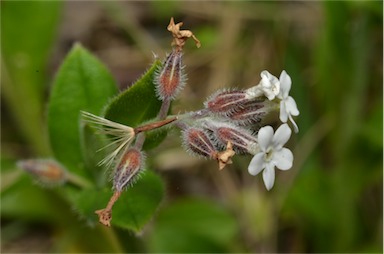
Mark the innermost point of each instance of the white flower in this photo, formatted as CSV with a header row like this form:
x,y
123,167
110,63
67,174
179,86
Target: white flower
x,y
270,85
272,153
288,107
123,135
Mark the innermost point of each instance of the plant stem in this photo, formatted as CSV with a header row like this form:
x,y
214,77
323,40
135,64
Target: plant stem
x,y
78,181
155,125
164,109
105,215
140,139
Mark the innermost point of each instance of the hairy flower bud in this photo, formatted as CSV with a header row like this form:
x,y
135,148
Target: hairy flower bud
x,y
242,140
250,113
226,102
197,141
46,171
170,79
128,168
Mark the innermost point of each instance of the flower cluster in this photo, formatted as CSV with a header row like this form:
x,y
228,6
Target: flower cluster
x,y
237,120
232,121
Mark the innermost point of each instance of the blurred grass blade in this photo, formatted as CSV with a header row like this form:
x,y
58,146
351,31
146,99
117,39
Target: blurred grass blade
x,y
82,83
27,32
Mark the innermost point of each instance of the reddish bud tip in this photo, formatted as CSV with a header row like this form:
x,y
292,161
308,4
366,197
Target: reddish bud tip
x,y
198,142
226,102
170,79
128,168
46,171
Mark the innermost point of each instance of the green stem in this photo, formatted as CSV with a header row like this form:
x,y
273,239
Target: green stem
x,y
79,181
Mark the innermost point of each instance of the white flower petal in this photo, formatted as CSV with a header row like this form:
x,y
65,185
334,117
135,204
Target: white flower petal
x,y
283,112
264,76
295,128
290,103
285,84
282,135
269,94
264,137
270,85
283,158
268,79
269,176
257,164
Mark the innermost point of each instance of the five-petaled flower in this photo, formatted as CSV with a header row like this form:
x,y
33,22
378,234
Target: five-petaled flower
x,y
270,85
288,107
272,153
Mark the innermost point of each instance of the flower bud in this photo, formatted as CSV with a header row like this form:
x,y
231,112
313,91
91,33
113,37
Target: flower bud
x,y
241,139
170,79
197,141
128,168
226,102
46,171
250,113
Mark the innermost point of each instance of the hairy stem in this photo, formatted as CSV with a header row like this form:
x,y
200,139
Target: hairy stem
x,y
164,109
154,125
140,141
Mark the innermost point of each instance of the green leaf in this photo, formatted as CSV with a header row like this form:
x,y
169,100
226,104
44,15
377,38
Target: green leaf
x,y
24,201
138,104
82,83
93,145
192,225
154,138
28,29
134,208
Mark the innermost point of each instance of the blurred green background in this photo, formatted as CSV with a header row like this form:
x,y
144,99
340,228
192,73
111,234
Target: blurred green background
x,y
330,201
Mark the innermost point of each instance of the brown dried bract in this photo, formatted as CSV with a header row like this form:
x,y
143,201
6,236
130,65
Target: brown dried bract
x,y
105,215
181,36
224,158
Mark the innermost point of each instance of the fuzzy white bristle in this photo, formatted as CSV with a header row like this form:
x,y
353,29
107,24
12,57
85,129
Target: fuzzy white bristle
x,y
123,135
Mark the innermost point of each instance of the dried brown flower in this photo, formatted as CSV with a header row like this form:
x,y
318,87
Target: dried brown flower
x,y
181,36
224,158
